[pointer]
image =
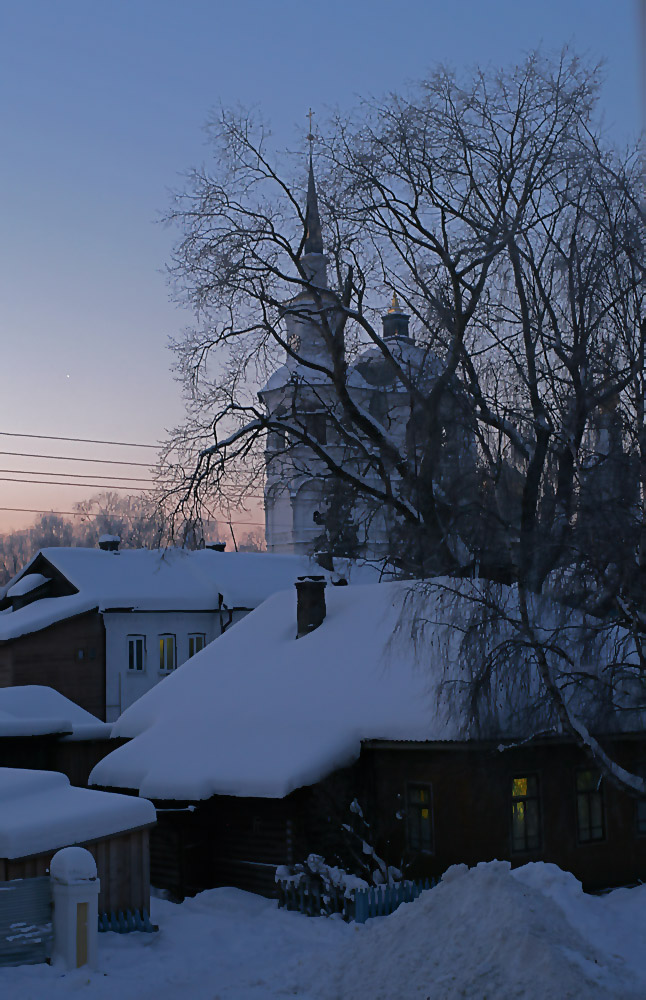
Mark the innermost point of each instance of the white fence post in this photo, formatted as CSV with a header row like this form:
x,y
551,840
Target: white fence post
x,y
75,888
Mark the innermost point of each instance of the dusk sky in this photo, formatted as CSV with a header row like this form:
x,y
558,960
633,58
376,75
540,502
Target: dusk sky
x,y
103,107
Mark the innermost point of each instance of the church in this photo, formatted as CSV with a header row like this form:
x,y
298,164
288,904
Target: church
x,y
315,457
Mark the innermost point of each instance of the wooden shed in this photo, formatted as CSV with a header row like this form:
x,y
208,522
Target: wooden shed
x,y
40,812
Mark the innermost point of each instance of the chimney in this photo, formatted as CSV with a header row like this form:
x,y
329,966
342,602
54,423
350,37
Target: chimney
x,y
109,543
310,604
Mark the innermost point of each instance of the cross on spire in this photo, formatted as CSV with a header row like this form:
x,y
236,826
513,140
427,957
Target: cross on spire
x,y
310,136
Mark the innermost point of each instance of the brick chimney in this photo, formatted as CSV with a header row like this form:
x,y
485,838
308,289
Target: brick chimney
x,y
109,543
310,604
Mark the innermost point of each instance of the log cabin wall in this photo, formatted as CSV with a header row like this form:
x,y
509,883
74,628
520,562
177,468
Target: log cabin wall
x,y
224,841
68,656
472,809
123,866
75,758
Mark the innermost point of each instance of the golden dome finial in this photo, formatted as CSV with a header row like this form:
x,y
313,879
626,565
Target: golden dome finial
x,y
394,305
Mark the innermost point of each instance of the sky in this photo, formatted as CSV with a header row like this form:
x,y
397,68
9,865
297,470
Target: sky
x,y
103,110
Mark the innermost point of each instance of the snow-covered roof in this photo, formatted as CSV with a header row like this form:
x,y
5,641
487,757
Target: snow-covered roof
x,y
154,580
40,811
27,583
261,713
37,710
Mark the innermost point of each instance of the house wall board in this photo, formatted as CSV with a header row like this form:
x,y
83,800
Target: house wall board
x,y
68,656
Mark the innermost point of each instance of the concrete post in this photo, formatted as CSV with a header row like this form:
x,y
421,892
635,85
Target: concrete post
x,y
75,889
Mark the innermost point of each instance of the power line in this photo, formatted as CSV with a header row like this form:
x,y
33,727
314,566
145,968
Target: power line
x,y
73,458
56,437
76,513
54,482
75,475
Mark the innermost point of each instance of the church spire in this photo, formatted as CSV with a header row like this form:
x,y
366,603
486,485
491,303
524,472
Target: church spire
x,y
313,237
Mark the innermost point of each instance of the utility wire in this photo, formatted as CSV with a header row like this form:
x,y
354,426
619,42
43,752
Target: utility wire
x,y
73,458
54,482
56,437
76,513
75,475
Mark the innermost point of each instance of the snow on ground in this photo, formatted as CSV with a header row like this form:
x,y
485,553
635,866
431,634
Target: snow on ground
x,y
483,934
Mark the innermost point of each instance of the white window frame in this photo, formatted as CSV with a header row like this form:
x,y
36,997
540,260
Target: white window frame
x,y
164,666
133,640
193,638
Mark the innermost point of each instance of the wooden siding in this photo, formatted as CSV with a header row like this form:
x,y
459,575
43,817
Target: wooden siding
x,y
472,809
75,758
225,841
123,866
51,657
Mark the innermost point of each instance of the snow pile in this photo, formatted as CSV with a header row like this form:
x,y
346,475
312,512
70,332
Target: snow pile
x,y
40,811
36,710
490,932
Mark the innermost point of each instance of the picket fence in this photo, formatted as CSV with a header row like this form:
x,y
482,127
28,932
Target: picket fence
x,y
315,900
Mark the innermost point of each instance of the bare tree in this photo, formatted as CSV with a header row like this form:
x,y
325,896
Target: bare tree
x,y
511,443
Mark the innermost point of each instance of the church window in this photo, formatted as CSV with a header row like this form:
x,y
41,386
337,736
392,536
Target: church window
x,y
316,427
167,652
419,818
277,440
525,813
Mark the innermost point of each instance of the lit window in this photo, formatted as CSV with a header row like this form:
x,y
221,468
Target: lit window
x,y
420,818
167,652
136,652
591,824
196,642
525,814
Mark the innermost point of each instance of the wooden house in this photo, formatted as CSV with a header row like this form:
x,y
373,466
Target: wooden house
x,y
103,626
41,729
40,812
255,752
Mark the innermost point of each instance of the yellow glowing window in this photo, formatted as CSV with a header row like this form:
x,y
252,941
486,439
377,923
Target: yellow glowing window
x,y
419,818
525,814
167,659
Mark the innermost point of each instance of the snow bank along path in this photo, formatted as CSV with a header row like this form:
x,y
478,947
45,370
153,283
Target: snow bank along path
x,y
484,934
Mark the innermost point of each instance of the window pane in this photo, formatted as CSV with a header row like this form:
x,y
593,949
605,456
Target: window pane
x,y
587,781
191,645
140,654
519,787
161,654
518,826
199,643
131,655
525,813
170,652
420,818
533,828
641,816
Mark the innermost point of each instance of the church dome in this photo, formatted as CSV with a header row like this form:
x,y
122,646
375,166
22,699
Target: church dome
x,y
378,371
